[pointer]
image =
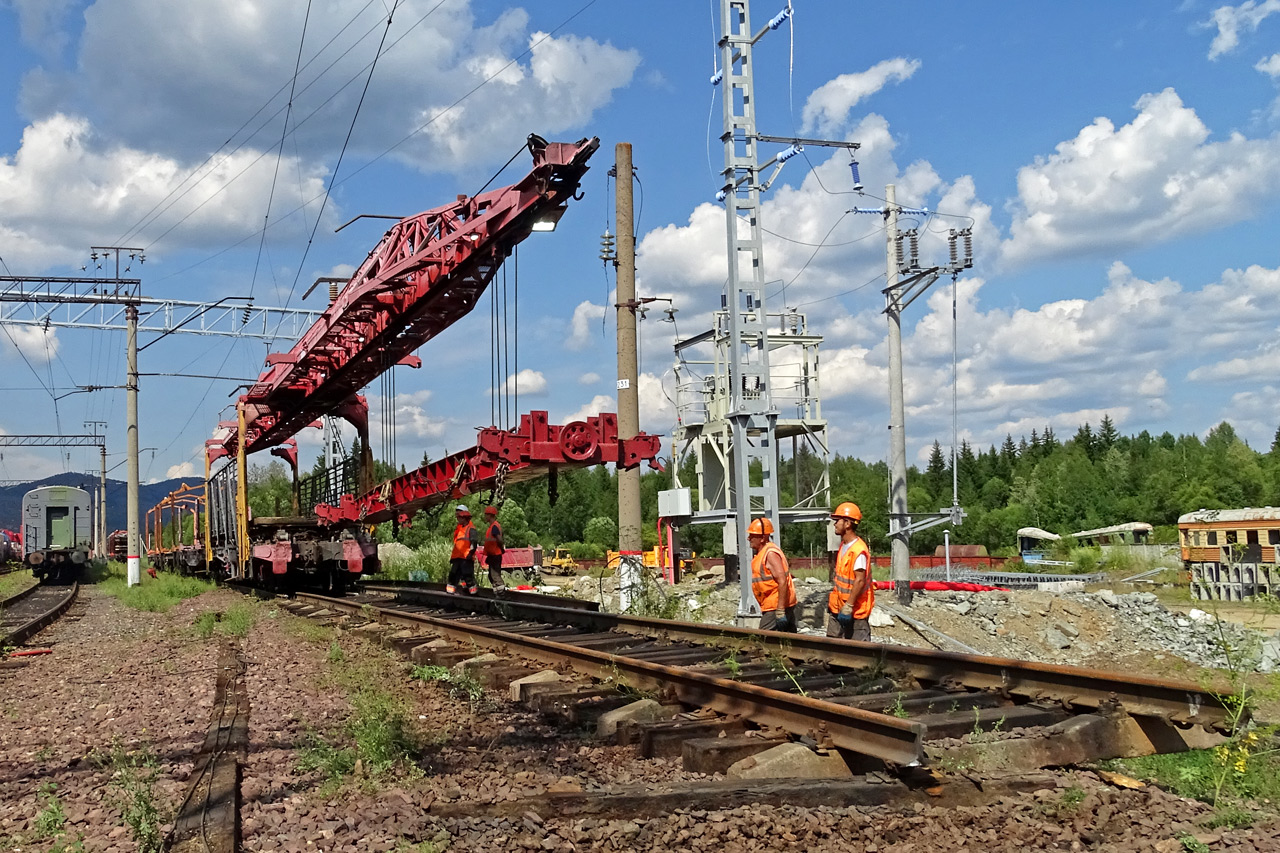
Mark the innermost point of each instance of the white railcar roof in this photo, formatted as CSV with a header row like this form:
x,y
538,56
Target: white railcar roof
x,y
1037,533
1208,516
1128,527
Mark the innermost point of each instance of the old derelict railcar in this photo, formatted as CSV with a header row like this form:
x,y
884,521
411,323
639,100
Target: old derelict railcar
x,y
57,532
1231,554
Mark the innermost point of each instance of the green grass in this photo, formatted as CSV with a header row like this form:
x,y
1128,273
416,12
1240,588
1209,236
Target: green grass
x,y
156,594
132,791
12,584
461,684
377,738
235,621
1194,775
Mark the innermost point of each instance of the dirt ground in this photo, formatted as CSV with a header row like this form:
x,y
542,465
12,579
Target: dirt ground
x,y
125,697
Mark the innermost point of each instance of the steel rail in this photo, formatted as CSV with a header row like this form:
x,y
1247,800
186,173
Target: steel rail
x,y
26,630
1182,703
885,737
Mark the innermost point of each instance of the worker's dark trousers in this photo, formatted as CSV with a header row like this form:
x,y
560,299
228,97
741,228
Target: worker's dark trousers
x,y
494,562
859,629
462,572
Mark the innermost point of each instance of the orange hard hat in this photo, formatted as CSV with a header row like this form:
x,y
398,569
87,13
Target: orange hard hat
x,y
491,510
760,527
848,510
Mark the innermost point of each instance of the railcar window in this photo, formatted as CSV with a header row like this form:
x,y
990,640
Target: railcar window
x,y
1213,537
1251,537
1232,537
1273,537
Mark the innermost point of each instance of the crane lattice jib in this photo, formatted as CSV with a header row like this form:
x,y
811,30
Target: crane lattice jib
x,y
533,450
427,272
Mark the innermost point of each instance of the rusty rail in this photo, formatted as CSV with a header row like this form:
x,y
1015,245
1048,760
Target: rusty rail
x,y
884,737
1181,703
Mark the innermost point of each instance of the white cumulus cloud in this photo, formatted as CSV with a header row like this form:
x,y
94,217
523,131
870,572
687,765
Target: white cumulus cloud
x,y
589,379
599,403
827,109
584,325
185,469
1154,179
526,382
1231,21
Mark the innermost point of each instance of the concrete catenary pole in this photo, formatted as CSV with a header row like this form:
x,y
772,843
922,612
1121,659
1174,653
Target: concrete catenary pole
x,y
630,541
629,520
133,562
102,505
898,518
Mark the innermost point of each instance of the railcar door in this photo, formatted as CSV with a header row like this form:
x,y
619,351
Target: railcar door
x,y
58,529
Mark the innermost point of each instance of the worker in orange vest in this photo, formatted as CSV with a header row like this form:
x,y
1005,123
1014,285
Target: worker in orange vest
x,y
462,562
853,595
494,547
771,582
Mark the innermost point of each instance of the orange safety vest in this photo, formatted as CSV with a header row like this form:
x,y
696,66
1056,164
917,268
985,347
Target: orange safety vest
x,y
491,546
846,577
763,583
463,537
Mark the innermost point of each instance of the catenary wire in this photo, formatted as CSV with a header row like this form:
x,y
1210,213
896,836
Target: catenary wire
x,y
284,133
333,178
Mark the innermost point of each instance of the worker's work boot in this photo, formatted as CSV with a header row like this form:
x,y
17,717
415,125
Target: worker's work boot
x,y
475,588
450,588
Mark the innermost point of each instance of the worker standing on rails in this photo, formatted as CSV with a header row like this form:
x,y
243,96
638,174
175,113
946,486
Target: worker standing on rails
x,y
494,547
462,561
853,595
771,582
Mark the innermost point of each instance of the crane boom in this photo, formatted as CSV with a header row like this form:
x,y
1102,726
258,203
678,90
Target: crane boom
x,y
426,273
536,448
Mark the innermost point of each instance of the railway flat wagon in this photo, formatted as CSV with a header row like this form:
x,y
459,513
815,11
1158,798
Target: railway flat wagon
x,y
57,532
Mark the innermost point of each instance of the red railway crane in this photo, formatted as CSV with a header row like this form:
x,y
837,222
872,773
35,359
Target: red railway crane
x,y
426,273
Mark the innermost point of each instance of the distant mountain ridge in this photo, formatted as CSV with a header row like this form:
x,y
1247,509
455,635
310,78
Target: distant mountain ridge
x,y
149,495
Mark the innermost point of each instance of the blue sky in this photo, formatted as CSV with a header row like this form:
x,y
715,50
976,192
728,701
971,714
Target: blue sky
x,y
1119,162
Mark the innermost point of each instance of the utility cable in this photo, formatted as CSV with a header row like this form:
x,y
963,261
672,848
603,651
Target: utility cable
x,y
284,133
335,183
350,130
147,217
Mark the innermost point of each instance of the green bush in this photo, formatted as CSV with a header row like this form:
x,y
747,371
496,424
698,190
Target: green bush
x,y
1085,559
430,562
584,550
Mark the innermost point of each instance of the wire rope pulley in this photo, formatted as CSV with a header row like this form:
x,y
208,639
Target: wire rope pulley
x,y
578,441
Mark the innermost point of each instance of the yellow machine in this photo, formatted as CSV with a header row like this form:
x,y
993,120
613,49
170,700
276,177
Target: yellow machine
x,y
561,560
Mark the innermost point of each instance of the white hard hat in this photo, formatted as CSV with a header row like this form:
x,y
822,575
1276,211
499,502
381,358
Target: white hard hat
x,y
462,508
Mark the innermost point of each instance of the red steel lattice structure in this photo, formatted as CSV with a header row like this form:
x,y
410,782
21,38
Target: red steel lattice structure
x,y
427,272
534,449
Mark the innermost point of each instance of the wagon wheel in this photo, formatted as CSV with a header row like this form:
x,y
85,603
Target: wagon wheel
x,y
578,441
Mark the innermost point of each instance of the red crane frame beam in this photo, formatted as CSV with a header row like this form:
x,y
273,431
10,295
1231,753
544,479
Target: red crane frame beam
x,y
428,271
531,451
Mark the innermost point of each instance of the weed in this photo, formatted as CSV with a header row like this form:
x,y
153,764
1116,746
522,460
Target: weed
x,y
977,723
780,661
997,725
403,846
334,762
896,709
205,623
1073,796
461,683
238,619
955,706
1192,844
52,819
1231,817
951,764
307,630
336,655
132,790
44,753
732,665
156,594
380,728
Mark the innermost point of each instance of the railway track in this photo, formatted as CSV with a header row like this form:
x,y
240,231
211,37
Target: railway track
x,y
896,705
24,614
